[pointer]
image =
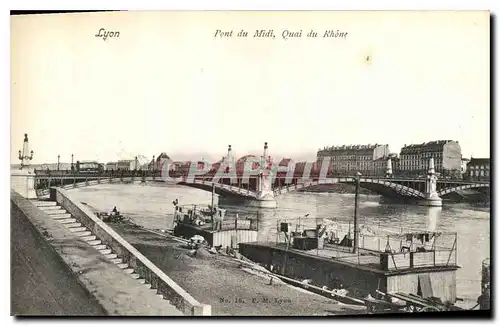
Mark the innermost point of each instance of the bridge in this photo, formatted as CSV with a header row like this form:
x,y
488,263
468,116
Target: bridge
x,y
262,187
392,187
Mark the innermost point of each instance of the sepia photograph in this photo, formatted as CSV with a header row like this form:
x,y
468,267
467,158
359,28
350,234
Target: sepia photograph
x,y
250,163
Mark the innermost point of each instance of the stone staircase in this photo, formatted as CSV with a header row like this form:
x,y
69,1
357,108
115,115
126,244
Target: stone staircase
x,y
59,214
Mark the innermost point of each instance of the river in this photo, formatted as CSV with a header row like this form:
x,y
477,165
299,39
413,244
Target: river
x,y
151,206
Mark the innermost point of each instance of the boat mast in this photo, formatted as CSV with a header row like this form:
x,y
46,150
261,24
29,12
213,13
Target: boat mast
x,y
213,208
355,244
213,193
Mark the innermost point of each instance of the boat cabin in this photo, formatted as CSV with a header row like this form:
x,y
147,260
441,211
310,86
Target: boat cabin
x,y
213,224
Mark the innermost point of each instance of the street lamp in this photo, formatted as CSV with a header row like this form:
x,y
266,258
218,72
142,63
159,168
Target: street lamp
x,y
58,157
355,240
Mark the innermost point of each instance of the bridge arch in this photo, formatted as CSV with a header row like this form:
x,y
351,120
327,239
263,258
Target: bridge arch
x,y
446,191
387,183
94,182
200,184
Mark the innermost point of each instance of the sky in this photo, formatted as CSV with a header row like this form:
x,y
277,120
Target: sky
x,y
166,84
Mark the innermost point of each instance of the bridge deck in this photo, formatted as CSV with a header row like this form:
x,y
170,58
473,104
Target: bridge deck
x,y
393,185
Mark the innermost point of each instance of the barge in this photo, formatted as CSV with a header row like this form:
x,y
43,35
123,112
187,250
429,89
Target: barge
x,y
417,269
423,269
211,223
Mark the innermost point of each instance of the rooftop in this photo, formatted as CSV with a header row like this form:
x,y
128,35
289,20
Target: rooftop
x,y
474,160
351,147
430,143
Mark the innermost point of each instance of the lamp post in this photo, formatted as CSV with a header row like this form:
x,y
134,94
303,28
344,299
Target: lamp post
x,y
23,155
58,157
297,227
154,164
355,241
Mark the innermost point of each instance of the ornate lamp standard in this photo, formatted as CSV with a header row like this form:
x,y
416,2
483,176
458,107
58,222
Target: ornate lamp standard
x,y
23,179
23,155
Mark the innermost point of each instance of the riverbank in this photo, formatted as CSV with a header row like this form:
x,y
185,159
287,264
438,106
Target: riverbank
x,y
221,282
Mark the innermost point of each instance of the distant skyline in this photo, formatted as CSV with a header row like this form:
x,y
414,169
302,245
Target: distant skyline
x,y
184,156
167,85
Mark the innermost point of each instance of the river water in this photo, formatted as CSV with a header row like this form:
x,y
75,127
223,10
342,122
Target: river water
x,y
151,206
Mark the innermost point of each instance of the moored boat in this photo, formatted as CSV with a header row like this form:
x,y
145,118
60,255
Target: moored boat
x,y
213,224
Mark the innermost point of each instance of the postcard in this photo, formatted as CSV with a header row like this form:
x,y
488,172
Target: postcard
x,y
250,163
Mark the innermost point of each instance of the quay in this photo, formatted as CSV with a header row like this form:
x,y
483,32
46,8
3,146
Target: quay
x,y
41,283
484,300
112,271
227,285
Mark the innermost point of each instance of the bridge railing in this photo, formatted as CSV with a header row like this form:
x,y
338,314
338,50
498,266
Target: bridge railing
x,y
191,213
415,249
114,173
280,175
388,250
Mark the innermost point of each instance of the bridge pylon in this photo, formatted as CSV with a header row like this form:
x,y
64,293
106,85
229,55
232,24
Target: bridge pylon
x,y
431,196
265,195
388,173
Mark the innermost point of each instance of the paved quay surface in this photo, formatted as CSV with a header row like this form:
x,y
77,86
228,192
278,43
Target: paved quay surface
x,y
117,292
230,290
41,283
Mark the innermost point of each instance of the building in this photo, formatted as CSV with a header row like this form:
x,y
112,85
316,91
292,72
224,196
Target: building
x,y
111,166
89,166
463,167
247,163
125,165
286,165
447,154
162,159
55,166
347,160
303,169
379,168
478,169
